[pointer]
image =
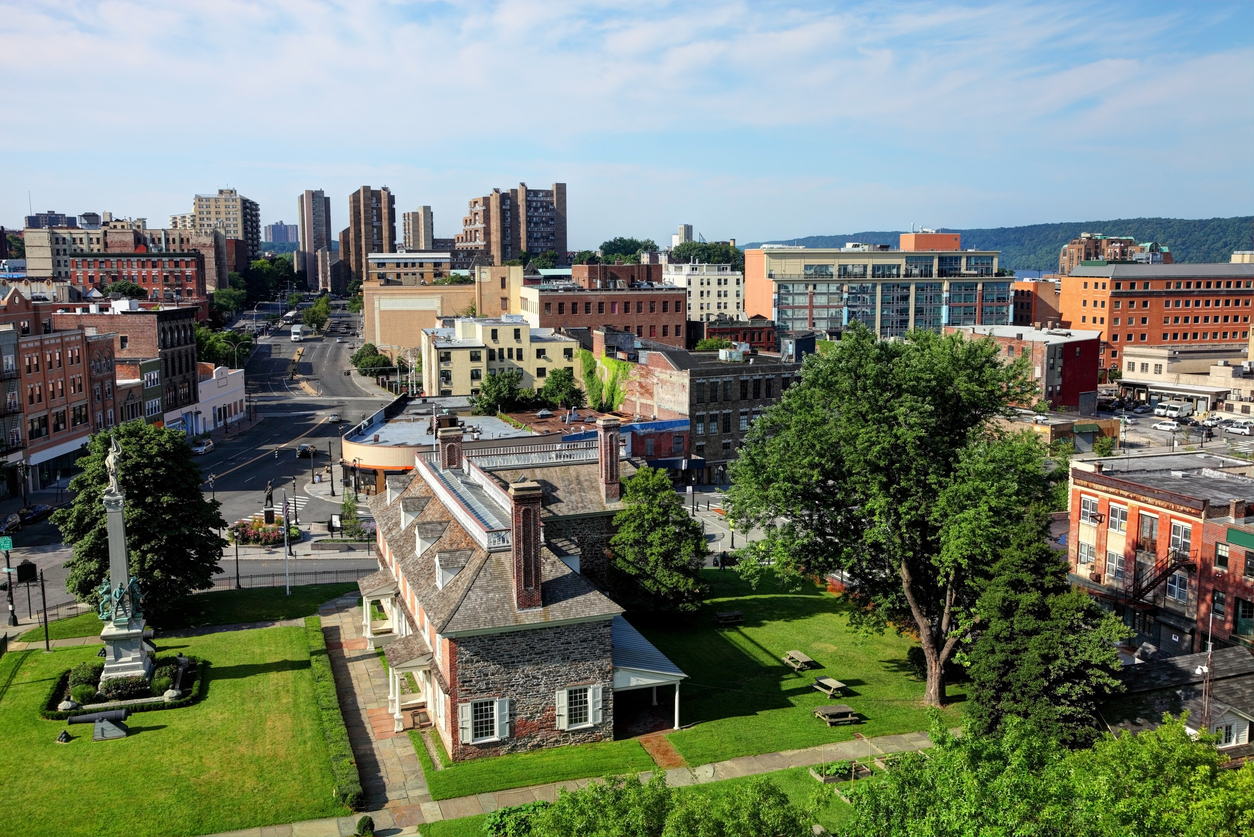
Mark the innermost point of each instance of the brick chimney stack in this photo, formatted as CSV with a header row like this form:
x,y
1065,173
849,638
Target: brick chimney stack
x,y
449,436
525,502
607,454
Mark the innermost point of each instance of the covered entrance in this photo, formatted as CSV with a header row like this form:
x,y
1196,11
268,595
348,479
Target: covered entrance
x,y
646,683
379,588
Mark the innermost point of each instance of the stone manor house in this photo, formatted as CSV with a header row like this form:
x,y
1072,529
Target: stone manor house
x,y
491,591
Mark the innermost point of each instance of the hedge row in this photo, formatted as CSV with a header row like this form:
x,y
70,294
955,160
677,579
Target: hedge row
x,y
197,669
347,787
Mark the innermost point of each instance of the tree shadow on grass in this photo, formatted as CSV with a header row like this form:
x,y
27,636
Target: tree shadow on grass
x,y
253,669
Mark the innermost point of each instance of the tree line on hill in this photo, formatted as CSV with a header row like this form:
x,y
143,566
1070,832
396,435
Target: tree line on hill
x,y
1036,246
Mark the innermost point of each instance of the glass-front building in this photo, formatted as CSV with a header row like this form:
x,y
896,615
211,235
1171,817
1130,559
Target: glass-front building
x,y
889,291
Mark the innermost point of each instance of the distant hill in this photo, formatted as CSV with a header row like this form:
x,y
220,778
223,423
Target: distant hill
x,y
1036,247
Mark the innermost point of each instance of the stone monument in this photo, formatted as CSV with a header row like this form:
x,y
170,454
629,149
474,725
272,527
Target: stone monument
x,y
120,597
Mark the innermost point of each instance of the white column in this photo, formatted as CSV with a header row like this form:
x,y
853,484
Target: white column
x,y
399,726
392,690
365,619
676,704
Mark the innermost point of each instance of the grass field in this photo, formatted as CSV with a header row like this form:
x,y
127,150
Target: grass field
x,y
250,753
539,767
220,607
744,701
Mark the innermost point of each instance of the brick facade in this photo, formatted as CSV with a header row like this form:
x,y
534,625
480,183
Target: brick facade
x,y
656,314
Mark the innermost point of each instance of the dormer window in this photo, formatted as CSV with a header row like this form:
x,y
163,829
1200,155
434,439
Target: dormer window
x,y
449,564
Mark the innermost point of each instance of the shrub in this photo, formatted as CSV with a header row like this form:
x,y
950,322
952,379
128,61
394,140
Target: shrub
x,y
86,674
193,687
126,688
83,694
365,827
512,821
835,768
166,671
347,787
161,685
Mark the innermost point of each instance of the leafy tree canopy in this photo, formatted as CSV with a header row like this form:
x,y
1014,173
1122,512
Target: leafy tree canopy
x,y
713,344
130,290
456,279
229,299
316,315
294,299
586,257
560,389
170,524
17,247
501,393
884,463
706,253
658,550
622,247
222,348
1155,784
355,304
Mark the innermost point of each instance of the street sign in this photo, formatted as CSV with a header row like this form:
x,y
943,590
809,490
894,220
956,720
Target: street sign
x,y
6,542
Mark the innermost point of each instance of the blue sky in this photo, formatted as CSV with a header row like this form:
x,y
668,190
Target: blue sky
x,y
753,120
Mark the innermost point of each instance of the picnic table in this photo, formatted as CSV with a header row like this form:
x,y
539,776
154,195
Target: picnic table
x,y
829,686
729,617
841,713
799,661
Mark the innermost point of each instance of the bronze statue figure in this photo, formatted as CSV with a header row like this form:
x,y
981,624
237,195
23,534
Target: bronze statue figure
x,y
111,465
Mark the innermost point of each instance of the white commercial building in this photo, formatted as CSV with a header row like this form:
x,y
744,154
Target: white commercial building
x,y
713,289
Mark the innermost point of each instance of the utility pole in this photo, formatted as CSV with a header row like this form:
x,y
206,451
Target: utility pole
x,y
43,596
331,467
287,548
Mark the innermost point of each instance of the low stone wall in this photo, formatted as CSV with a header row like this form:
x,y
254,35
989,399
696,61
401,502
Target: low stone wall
x,y
354,546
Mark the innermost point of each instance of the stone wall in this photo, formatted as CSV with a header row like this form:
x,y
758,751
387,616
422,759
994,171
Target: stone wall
x,y
528,667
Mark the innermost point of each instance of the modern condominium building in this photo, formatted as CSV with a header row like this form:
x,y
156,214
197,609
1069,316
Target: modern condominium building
x,y
929,282
714,290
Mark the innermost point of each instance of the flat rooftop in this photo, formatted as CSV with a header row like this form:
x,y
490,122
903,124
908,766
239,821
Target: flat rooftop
x,y
1053,337
1222,270
1215,478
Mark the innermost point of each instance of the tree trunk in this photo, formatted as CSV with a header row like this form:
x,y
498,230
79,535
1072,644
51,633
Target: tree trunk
x,y
934,694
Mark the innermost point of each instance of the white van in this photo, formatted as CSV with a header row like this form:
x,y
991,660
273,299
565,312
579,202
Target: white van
x,y
1179,409
1160,409
1242,427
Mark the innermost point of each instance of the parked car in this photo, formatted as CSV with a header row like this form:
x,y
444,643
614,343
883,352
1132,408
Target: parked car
x,y
1241,427
1130,420
1224,424
1190,422
306,451
12,523
1212,420
34,514
1142,410
339,340
202,447
1167,425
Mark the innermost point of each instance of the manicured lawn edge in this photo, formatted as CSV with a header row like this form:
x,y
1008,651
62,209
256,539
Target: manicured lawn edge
x,y
50,712
343,766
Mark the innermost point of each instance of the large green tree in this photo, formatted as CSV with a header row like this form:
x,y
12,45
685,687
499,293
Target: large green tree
x,y
658,549
884,463
229,299
501,393
626,248
170,524
1045,653
560,389
130,290
706,253
1156,784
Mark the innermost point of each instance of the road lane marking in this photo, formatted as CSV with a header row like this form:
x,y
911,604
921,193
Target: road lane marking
x,y
263,455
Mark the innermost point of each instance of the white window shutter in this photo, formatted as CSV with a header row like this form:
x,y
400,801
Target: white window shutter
x,y
594,704
561,715
463,723
502,718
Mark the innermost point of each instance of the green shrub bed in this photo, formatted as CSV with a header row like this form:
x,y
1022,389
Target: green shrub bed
x,y
343,766
81,678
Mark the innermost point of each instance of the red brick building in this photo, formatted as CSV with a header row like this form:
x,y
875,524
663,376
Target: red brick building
x,y
757,331
1064,362
651,313
591,276
1167,540
165,277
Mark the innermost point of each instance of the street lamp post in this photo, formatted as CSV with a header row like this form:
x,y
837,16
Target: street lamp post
x,y
330,467
8,589
356,489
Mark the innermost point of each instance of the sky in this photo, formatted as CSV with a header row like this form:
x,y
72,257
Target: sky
x,y
748,120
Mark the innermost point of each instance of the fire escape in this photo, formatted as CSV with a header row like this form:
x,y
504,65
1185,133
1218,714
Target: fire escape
x,y
1140,584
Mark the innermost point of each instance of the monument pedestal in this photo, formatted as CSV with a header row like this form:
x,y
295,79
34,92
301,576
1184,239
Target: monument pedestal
x,y
269,516
125,654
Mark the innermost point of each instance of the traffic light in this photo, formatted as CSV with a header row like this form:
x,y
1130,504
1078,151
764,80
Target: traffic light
x,y
276,453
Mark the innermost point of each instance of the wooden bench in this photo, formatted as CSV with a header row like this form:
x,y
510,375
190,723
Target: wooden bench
x,y
829,686
729,617
798,661
839,714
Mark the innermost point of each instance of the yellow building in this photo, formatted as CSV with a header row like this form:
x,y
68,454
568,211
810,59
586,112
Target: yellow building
x,y
456,360
397,306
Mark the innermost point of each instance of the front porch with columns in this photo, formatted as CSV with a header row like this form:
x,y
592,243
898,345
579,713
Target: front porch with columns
x,y
406,655
380,587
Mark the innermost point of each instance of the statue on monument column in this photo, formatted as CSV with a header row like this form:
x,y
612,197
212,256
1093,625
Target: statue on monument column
x,y
111,465
269,495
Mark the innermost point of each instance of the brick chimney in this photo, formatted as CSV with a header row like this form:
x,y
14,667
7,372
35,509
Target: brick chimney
x,y
525,501
607,454
450,441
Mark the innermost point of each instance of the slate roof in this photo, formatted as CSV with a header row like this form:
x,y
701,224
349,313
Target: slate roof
x,y
376,581
481,596
632,650
571,490
1173,685
407,649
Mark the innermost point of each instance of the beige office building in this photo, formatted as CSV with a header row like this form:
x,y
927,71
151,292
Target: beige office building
x,y
419,229
455,361
714,290
229,211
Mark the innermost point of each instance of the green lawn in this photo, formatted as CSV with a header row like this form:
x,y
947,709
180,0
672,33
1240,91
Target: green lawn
x,y
464,827
539,767
220,607
251,753
744,701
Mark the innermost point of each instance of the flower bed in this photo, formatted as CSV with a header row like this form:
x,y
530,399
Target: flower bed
x,y
193,685
252,532
839,771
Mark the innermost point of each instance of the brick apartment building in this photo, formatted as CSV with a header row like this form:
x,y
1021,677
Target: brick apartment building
x,y
503,224
1159,304
1167,540
168,335
165,277
371,229
651,313
605,276
1064,363
1109,248
720,399
757,331
1035,301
